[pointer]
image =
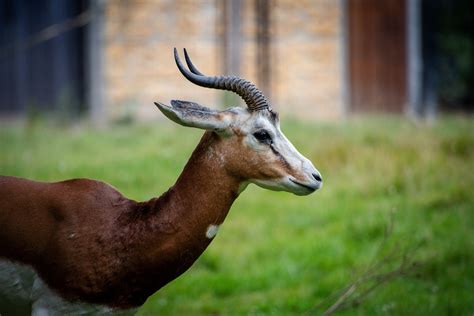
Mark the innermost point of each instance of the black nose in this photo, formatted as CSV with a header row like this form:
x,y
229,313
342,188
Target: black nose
x,y
317,177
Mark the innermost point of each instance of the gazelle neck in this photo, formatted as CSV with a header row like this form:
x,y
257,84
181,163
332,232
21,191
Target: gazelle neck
x,y
205,191
172,231
186,218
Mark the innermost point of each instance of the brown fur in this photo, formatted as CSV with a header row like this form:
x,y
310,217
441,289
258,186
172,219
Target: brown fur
x,y
90,243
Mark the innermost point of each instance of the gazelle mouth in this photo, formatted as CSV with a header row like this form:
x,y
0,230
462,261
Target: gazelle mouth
x,y
312,189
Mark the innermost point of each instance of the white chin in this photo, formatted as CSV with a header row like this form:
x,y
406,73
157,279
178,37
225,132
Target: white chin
x,y
283,184
269,185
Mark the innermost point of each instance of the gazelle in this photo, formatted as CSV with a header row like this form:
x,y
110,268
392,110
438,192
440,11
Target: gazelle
x,y
79,245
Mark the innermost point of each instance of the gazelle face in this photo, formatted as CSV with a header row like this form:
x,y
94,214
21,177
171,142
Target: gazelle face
x,y
277,164
252,146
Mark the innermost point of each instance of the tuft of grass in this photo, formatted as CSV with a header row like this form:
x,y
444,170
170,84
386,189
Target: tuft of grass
x,y
281,254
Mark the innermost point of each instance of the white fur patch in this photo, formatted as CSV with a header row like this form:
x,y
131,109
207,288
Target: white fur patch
x,y
212,231
215,156
22,289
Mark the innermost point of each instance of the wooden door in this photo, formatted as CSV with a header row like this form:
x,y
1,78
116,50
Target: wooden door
x,y
377,55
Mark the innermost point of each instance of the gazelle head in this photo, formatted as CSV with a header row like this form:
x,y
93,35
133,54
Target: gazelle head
x,y
251,145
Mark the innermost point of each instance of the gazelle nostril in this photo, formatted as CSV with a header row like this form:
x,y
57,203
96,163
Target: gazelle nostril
x,y
317,177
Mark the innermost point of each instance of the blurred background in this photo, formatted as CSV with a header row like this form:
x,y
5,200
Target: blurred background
x,y
314,59
379,94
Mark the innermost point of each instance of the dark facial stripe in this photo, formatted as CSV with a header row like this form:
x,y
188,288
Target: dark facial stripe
x,y
282,159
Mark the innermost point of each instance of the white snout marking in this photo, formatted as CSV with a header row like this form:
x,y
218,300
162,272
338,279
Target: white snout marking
x,y
212,231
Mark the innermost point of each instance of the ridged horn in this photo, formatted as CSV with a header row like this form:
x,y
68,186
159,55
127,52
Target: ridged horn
x,y
252,96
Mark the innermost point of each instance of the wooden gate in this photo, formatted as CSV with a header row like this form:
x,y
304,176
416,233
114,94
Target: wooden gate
x,y
377,55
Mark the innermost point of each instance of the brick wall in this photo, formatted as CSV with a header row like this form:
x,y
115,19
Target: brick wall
x,y
307,43
139,66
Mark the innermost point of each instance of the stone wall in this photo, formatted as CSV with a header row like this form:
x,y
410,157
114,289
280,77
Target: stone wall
x,y
139,66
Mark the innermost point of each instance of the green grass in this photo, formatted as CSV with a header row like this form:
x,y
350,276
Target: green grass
x,y
280,254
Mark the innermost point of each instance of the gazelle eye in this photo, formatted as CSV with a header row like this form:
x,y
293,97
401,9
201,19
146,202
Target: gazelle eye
x,y
263,136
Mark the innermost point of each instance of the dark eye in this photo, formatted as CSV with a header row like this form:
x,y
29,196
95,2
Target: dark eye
x,y
263,136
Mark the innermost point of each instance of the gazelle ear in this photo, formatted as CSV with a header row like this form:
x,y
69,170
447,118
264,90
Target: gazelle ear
x,y
194,115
